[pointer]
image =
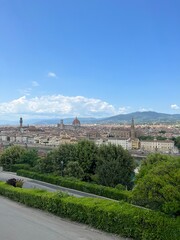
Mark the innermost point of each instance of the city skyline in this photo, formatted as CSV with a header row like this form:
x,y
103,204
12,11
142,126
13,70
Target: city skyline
x,y
88,58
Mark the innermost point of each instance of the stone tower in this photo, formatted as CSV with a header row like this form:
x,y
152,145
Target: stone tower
x,y
132,129
61,124
21,122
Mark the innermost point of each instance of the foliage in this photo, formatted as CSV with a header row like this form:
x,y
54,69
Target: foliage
x,y
19,166
29,156
158,184
161,138
151,161
119,218
162,131
61,194
115,166
19,183
12,182
15,182
10,156
177,142
146,138
120,187
64,154
79,185
73,169
151,138
15,155
87,157
54,160
45,165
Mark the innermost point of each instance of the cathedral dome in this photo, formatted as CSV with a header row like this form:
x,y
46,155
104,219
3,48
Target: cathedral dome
x,y
76,122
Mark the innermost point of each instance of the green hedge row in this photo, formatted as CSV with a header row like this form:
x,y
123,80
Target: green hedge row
x,y
119,218
79,185
16,167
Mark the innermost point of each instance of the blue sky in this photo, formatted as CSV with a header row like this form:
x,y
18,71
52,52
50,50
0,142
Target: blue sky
x,y
97,58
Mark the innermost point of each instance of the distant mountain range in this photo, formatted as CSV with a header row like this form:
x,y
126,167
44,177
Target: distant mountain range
x,y
143,117
139,118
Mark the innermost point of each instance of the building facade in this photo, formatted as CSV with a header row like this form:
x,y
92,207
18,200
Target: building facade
x,y
165,146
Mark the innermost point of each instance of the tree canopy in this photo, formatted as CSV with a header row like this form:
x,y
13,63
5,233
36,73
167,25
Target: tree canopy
x,y
158,184
18,155
73,169
108,165
10,156
115,166
87,156
176,142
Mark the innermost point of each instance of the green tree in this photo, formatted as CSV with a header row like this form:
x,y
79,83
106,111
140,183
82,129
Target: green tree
x,y
176,142
73,169
45,164
57,159
161,138
29,157
150,138
11,155
64,154
162,131
150,162
115,166
158,184
87,157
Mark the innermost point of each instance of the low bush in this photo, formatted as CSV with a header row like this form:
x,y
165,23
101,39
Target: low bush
x,y
16,167
12,182
15,182
119,218
73,183
19,183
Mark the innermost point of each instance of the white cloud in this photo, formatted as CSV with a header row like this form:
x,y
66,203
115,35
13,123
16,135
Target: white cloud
x,y
175,107
52,75
142,109
58,106
123,110
35,84
26,91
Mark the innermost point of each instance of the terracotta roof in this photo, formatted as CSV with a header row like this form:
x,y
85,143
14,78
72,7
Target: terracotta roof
x,y
76,121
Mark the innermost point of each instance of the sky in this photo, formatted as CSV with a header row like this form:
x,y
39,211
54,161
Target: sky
x,y
88,58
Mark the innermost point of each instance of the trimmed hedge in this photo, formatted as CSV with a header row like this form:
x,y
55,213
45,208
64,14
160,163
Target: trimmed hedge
x,y
119,218
16,167
100,190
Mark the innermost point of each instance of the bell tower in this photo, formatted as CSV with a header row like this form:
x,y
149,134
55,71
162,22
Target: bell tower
x,y
132,129
61,124
21,122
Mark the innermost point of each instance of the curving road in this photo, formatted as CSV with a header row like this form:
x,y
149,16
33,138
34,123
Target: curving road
x,y
18,222
30,183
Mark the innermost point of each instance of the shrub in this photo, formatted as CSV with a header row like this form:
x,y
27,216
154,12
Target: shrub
x,y
73,169
15,182
12,182
16,167
119,218
73,183
19,183
120,187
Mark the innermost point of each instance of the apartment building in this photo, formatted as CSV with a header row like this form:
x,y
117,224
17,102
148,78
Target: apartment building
x,y
166,146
